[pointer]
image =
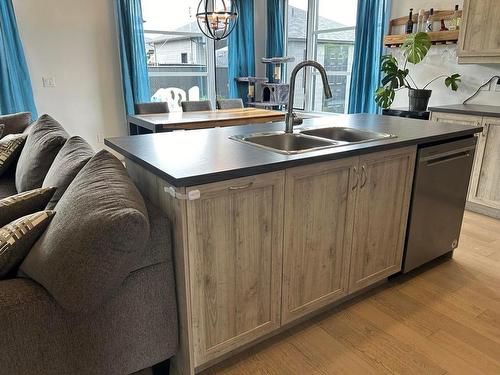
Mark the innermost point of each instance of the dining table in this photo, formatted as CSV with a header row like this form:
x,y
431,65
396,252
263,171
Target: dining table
x,y
165,122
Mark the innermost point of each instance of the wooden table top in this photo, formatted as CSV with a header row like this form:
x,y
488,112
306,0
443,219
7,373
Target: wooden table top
x,y
202,119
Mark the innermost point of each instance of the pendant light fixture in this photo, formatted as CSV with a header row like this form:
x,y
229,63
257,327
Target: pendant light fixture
x,y
217,18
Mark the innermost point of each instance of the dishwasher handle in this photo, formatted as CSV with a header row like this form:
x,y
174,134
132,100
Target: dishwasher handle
x,y
448,156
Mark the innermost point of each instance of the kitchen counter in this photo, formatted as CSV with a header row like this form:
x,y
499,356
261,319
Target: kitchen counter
x,y
188,158
469,109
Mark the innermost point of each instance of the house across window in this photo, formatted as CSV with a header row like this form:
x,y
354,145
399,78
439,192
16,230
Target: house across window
x,y
318,31
184,58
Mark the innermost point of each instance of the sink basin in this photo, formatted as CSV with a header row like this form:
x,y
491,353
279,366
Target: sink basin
x,y
348,135
285,143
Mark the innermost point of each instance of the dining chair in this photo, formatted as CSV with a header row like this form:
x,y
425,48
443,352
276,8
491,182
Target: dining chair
x,y
149,108
196,105
229,103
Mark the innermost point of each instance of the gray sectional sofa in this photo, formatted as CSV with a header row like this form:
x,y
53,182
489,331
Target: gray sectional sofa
x,y
96,293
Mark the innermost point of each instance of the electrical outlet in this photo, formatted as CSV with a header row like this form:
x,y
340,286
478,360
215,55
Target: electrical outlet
x,y
49,82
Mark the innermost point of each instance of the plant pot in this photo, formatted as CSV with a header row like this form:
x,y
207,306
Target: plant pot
x,y
419,99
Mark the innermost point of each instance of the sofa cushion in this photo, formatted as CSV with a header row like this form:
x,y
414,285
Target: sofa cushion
x,y
17,238
96,238
7,187
45,139
69,161
22,204
2,127
15,123
10,148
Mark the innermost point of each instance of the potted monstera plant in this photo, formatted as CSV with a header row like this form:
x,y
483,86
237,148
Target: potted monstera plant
x,y
397,77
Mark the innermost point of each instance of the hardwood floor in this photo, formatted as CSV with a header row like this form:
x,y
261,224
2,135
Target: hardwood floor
x,y
441,320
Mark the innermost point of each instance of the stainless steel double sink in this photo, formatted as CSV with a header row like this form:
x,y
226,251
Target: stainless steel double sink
x,y
306,140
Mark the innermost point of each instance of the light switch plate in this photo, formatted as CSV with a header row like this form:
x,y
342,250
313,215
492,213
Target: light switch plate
x,y
49,82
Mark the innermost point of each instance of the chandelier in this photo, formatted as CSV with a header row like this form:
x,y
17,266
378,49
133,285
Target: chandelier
x,y
217,18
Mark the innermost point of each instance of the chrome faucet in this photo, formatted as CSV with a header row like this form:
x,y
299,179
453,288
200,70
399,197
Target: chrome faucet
x,y
291,118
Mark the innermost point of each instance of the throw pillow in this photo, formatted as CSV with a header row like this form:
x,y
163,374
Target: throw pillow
x,y
23,204
15,123
10,148
95,240
69,161
17,238
45,139
2,127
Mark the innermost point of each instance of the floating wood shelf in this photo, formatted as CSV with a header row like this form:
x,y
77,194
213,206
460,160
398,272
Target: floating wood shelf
x,y
437,37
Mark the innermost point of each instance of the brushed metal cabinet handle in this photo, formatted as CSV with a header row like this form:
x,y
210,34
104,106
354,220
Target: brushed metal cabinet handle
x,y
355,171
364,176
241,187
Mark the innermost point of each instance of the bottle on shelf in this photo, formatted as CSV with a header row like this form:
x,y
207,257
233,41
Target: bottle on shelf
x,y
421,21
429,24
456,20
409,24
443,26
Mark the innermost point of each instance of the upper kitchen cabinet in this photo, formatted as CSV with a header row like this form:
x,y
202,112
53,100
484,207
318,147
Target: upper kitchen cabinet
x,y
480,35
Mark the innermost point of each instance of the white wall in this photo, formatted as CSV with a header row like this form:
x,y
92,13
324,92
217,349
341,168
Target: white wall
x,y
443,60
75,42
260,34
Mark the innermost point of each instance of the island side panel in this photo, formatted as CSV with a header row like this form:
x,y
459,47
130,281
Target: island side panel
x,y
153,188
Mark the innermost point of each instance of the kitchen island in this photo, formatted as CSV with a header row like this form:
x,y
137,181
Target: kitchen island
x,y
263,240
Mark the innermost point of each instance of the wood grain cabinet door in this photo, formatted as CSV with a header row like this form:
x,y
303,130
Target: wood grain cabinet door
x,y
381,214
485,183
235,234
319,213
479,40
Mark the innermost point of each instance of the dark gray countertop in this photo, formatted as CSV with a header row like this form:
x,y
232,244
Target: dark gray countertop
x,y
469,109
193,157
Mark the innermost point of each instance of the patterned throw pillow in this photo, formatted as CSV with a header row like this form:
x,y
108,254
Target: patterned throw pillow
x,y
2,127
17,238
15,123
22,204
10,148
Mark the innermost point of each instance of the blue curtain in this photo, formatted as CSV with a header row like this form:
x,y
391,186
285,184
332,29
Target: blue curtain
x,y
275,32
16,94
132,53
371,26
241,51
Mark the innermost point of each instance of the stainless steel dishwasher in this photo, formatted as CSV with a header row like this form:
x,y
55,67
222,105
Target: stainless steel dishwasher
x,y
438,200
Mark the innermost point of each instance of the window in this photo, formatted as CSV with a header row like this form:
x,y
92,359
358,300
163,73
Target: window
x,y
180,58
322,30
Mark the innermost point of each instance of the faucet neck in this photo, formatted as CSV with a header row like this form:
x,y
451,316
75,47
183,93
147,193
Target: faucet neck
x,y
290,118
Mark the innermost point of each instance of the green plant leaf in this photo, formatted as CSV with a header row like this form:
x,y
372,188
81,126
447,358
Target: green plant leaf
x,y
453,81
393,76
416,46
384,97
